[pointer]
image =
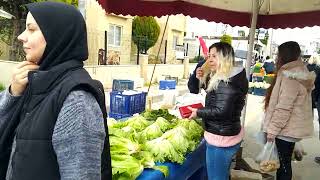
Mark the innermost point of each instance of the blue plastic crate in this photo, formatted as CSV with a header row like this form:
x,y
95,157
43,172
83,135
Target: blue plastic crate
x,y
167,84
118,116
127,104
259,91
168,77
121,85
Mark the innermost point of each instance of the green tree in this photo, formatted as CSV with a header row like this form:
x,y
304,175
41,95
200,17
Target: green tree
x,y
10,29
2,87
265,39
145,32
5,30
226,38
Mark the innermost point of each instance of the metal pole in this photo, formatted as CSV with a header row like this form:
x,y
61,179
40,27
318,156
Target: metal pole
x,y
105,46
154,67
165,52
187,49
138,51
145,45
254,18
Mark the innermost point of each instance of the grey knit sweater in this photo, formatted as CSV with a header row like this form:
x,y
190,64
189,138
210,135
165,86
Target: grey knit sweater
x,y
78,135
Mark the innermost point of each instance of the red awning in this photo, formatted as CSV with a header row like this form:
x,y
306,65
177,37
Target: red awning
x,y
289,17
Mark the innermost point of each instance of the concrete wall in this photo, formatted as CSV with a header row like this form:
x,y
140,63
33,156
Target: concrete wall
x,y
106,74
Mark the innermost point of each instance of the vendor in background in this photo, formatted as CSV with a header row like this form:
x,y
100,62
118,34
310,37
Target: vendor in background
x,y
194,79
225,99
288,112
314,65
269,65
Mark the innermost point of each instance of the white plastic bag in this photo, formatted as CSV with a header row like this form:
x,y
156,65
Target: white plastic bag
x,y
268,158
190,98
169,99
261,138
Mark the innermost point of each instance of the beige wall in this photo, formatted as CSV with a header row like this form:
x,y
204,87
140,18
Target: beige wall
x,y
106,74
97,23
176,27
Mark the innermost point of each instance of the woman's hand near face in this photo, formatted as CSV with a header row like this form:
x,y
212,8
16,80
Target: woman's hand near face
x,y
199,73
20,77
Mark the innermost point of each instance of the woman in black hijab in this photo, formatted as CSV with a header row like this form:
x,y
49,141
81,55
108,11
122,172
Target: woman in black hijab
x,y
53,116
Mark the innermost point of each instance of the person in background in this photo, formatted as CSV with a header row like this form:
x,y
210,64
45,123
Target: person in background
x,y
225,99
288,111
53,115
194,79
314,65
269,65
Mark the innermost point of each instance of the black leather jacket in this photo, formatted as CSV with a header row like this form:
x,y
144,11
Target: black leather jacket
x,y
222,112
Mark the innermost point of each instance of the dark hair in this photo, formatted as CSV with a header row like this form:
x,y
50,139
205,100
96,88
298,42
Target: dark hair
x,y
287,52
268,57
223,47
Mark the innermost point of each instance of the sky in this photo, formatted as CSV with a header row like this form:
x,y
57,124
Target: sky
x,y
300,35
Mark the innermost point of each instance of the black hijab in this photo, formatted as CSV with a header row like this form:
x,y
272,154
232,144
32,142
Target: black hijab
x,y
64,30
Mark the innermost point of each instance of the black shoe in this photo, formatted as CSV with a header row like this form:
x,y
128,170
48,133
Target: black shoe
x,y
317,160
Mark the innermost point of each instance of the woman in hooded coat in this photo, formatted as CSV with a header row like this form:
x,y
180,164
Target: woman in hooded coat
x,y
288,105
53,115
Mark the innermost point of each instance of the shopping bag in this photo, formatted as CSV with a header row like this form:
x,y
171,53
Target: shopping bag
x,y
268,158
261,138
169,99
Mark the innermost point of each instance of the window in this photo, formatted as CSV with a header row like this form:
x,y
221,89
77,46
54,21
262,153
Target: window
x,y
174,42
241,33
114,35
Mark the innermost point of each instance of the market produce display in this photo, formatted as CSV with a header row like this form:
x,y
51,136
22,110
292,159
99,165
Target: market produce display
x,y
152,115
138,143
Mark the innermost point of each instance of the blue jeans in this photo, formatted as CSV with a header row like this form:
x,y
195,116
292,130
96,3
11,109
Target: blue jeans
x,y
219,160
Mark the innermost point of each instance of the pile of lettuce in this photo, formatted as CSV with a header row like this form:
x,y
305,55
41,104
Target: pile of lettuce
x,y
139,143
152,115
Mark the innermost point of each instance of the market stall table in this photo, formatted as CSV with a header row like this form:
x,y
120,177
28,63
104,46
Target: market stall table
x,y
192,169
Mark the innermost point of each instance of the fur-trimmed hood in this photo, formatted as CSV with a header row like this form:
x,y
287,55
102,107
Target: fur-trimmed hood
x,y
289,112
298,71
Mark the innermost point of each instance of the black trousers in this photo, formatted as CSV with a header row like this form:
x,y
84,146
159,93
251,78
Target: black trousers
x,y
285,150
318,109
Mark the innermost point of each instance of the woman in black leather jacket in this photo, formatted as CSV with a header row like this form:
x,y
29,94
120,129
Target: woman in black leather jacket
x,y
226,92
